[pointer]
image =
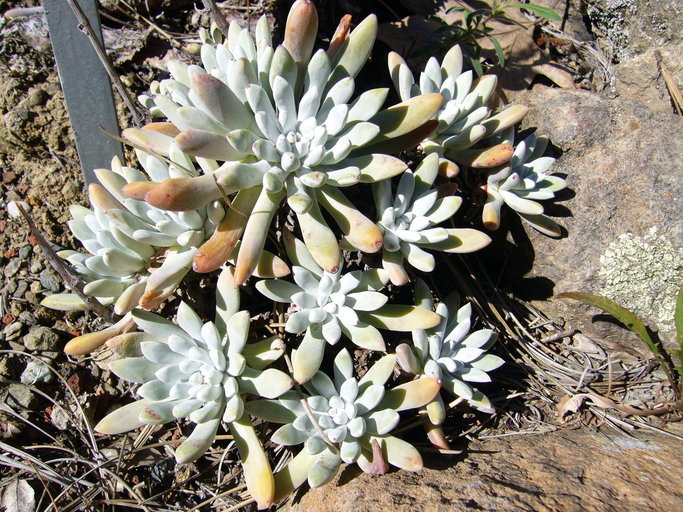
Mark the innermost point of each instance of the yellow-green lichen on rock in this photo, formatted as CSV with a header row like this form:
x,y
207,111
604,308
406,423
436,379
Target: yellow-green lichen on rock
x,y
644,274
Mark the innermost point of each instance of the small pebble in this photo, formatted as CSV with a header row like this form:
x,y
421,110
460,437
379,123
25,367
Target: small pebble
x,y
13,331
10,287
59,418
22,288
36,97
50,280
41,338
22,395
25,252
36,287
7,370
36,266
16,308
27,318
12,267
36,372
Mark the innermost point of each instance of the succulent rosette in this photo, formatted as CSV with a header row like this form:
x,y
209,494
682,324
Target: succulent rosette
x,y
327,305
409,222
341,419
284,122
465,122
451,353
520,184
124,236
200,372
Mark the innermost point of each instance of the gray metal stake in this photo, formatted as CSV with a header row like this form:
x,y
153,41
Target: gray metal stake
x,y
86,86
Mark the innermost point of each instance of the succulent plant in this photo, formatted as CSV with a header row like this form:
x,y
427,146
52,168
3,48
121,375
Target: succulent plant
x,y
201,371
124,236
255,126
341,419
409,222
464,119
328,305
451,353
138,253
520,184
281,119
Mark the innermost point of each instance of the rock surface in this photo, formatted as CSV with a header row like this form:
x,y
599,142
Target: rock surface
x,y
567,470
623,171
626,28
640,78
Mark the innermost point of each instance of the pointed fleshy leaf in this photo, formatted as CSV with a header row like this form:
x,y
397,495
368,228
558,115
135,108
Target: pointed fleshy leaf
x,y
271,410
277,289
220,102
399,453
197,442
149,139
293,475
64,302
307,358
461,240
482,158
396,317
134,369
411,395
320,240
86,343
406,358
207,145
217,249
324,469
227,300
382,421
355,50
436,411
288,435
364,336
401,143
123,419
544,224
258,474
360,231
262,353
378,374
301,30
270,383
255,234
403,118
300,255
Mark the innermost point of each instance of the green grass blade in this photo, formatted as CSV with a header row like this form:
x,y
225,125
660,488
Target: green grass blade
x,y
539,10
678,320
499,50
625,316
634,323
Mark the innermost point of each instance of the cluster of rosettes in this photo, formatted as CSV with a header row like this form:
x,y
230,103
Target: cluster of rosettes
x,y
252,128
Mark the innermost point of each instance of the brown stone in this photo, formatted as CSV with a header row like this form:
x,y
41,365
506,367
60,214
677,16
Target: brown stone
x,y
623,173
562,471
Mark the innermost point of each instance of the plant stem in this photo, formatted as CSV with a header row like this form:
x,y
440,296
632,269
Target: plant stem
x,y
217,16
87,29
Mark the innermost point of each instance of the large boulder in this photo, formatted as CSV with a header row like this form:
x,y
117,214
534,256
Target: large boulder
x,y
622,210
566,470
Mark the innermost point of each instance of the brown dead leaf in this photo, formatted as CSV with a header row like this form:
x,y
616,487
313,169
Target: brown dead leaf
x,y
569,404
588,346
